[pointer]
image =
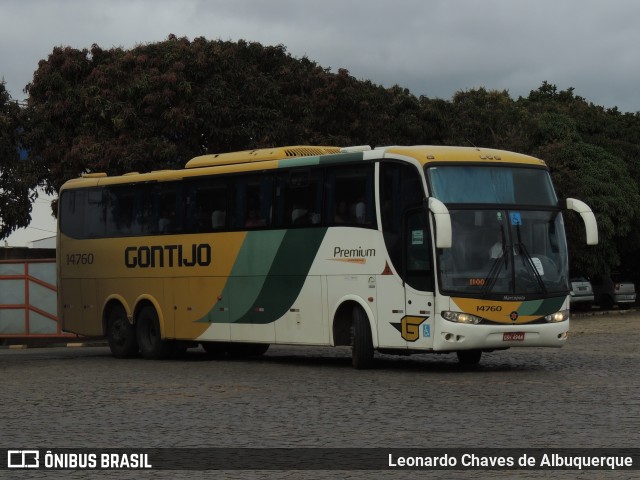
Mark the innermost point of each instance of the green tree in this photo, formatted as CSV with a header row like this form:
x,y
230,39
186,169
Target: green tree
x,y
488,118
151,107
157,105
17,182
593,155
600,179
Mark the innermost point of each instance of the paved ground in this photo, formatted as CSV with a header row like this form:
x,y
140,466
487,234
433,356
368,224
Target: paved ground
x,y
584,395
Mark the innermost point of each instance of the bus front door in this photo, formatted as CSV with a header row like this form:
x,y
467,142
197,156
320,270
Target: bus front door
x,y
417,324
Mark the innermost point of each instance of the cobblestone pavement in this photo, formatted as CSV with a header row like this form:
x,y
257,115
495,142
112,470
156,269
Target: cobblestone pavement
x,y
584,395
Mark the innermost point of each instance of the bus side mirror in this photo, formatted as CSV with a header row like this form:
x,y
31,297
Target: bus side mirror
x,y
442,221
589,219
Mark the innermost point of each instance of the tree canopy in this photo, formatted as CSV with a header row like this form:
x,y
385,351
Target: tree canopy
x,y
157,105
17,177
160,104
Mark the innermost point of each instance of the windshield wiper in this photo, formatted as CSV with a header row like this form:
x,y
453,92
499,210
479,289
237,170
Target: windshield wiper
x,y
492,276
528,261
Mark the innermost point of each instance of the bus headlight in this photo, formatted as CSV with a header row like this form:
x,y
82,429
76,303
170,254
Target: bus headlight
x,y
560,316
460,317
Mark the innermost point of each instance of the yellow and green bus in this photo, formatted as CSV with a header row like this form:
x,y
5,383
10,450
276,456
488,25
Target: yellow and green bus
x,y
398,250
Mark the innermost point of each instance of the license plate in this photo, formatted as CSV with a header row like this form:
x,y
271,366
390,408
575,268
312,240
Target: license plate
x,y
513,337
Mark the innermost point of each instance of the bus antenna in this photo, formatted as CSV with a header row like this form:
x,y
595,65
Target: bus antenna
x,y
473,145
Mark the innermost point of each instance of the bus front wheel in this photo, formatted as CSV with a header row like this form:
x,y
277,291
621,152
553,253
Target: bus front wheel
x,y
152,346
215,349
361,344
469,358
121,335
242,350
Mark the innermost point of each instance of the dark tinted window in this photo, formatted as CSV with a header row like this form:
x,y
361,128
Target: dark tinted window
x,y
252,201
205,204
121,215
350,195
72,203
400,189
299,198
284,198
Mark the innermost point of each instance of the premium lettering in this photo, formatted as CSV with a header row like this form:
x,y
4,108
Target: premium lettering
x,y
360,252
155,256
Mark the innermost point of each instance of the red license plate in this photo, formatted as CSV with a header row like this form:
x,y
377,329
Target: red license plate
x,y
513,337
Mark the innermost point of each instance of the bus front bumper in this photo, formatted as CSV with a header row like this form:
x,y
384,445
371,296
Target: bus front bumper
x,y
457,336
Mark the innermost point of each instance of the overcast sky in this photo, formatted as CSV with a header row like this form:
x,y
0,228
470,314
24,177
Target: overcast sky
x,y
431,47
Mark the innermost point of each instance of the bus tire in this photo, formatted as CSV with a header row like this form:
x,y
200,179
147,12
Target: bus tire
x,y
215,349
361,344
243,350
121,335
469,358
152,346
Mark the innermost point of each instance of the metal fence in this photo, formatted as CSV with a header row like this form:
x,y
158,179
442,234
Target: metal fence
x,y
28,303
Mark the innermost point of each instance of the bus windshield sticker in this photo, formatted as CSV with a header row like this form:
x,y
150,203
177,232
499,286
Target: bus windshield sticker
x,y
516,219
417,237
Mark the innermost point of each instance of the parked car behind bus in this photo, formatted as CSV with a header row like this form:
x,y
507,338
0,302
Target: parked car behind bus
x,y
581,294
613,290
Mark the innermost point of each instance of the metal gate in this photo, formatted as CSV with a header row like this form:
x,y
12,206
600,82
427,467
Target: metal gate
x,y
28,303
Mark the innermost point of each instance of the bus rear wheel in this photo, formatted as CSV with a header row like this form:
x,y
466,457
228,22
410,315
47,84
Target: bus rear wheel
x,y
469,358
121,335
361,343
152,346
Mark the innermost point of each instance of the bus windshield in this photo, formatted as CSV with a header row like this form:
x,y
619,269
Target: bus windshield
x,y
487,184
498,252
508,233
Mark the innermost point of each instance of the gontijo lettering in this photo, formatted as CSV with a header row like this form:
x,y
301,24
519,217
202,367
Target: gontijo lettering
x,y
154,256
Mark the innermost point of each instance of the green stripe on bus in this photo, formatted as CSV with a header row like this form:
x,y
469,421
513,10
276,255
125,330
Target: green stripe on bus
x,y
323,160
248,274
257,253
298,162
541,307
551,305
341,158
268,275
286,277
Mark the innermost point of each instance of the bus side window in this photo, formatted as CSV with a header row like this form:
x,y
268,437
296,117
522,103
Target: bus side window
x,y
418,250
95,214
166,217
350,195
400,189
82,213
204,203
252,201
299,199
167,208
72,213
218,202
120,211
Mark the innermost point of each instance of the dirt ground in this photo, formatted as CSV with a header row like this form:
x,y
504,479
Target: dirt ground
x,y
614,321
